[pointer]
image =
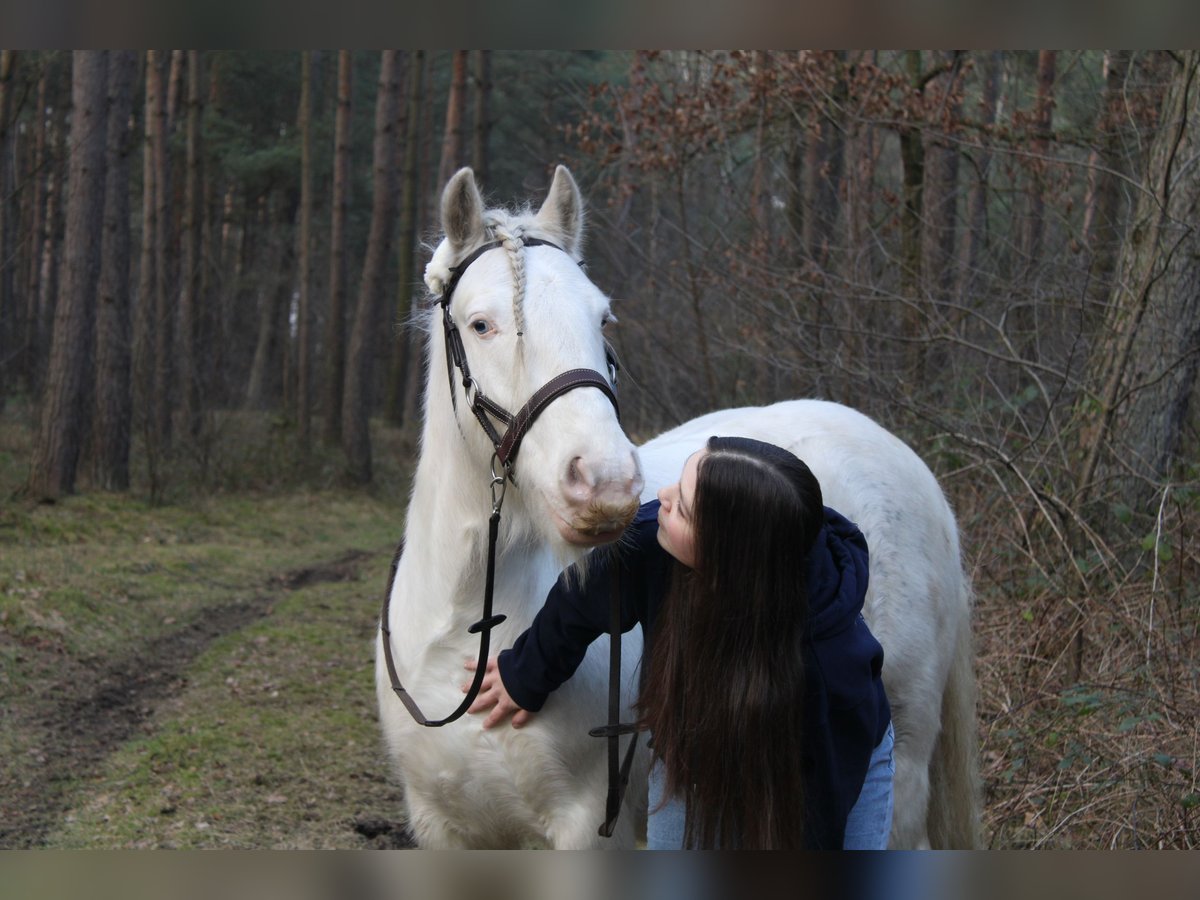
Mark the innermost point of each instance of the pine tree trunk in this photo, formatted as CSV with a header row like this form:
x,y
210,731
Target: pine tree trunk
x,y
114,401
164,317
402,354
48,261
213,357
57,447
189,381
274,297
304,311
1147,367
37,224
452,141
145,323
481,132
11,313
356,402
335,325
176,65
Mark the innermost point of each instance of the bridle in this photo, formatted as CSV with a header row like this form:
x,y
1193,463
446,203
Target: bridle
x,y
505,447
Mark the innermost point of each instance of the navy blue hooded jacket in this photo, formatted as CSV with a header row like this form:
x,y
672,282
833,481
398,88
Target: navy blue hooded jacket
x,y
846,711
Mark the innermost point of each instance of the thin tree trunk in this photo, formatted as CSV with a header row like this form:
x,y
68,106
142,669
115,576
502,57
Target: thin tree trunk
x,y
1101,226
164,318
758,176
274,298
114,401
145,322
481,132
402,354
829,133
912,156
37,223
213,357
1146,371
356,402
57,447
940,207
304,310
189,382
49,263
335,325
174,88
11,312
452,141
1043,118
710,380
430,190
975,233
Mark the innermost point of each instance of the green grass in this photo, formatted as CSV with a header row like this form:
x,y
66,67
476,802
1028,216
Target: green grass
x,y
273,742
266,736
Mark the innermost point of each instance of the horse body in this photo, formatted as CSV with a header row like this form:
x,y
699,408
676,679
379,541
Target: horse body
x,y
918,602
576,480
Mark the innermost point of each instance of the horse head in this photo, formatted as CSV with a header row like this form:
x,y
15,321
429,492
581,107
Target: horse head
x,y
525,313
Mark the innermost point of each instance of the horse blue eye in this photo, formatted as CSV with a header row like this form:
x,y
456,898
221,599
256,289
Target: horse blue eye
x,y
479,326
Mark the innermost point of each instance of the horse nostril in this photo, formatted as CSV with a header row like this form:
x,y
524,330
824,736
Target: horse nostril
x,y
578,475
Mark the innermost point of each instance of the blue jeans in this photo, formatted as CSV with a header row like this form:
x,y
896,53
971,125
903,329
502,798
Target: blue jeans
x,y
867,826
870,819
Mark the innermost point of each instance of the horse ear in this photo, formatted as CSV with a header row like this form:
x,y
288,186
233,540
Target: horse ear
x,y
462,210
562,212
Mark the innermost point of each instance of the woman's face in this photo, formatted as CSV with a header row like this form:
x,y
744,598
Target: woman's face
x,y
675,515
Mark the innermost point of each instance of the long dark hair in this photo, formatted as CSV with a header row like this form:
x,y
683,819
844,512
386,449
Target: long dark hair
x,y
724,689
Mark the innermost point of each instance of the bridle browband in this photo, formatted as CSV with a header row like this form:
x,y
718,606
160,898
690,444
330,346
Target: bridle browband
x,y
505,453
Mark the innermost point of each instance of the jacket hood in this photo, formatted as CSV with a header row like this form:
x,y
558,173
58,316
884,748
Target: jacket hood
x,y
837,575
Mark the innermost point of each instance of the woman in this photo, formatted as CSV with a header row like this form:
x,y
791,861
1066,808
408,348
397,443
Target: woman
x,y
761,686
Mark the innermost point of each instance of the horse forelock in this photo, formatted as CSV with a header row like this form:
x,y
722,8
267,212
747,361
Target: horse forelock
x,y
499,223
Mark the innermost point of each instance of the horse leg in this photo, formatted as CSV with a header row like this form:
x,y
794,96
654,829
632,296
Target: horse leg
x,y
575,826
431,828
914,746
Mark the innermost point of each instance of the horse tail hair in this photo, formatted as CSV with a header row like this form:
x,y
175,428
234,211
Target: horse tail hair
x,y
954,792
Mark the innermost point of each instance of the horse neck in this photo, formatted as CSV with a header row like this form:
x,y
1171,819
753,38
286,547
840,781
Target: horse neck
x,y
447,533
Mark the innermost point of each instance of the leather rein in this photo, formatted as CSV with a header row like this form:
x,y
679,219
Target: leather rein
x,y
504,456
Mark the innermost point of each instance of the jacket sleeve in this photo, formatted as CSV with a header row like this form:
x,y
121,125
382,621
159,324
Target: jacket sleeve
x,y
576,612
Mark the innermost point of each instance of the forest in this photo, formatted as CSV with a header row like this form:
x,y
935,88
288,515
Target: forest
x,y
211,270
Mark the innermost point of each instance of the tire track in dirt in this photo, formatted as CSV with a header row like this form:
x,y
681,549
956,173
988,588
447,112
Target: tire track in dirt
x,y
81,715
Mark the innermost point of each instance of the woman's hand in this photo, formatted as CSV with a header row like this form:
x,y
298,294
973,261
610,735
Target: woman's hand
x,y
493,696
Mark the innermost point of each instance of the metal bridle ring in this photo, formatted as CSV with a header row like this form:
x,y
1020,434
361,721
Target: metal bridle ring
x,y
499,480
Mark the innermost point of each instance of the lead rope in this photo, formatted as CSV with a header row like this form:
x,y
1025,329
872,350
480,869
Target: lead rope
x,y
618,770
483,627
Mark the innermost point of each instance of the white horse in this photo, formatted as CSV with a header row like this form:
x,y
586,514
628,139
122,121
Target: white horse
x,y
526,314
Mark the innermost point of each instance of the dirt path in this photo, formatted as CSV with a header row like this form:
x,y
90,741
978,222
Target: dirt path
x,y
79,713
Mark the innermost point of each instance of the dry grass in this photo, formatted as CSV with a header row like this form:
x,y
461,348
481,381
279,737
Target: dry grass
x,y
1089,686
